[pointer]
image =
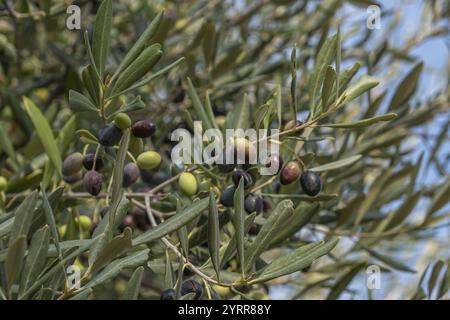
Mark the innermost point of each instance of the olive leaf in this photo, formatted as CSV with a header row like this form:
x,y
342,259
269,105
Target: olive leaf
x,y
337,164
406,88
44,132
132,290
80,103
344,281
14,259
214,233
362,123
101,36
238,222
23,217
174,223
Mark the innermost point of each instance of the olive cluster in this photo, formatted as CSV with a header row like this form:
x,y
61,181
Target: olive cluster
x,y
188,286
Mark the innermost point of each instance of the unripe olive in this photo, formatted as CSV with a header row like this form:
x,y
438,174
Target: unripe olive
x,y
275,163
227,196
188,184
130,174
192,286
72,164
253,203
88,162
149,160
294,123
168,294
92,182
238,174
73,178
62,230
143,129
122,120
109,135
84,221
136,145
311,184
290,172
3,183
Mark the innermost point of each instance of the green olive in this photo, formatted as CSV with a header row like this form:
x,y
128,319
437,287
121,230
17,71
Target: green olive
x,y
149,160
188,184
3,183
122,120
85,222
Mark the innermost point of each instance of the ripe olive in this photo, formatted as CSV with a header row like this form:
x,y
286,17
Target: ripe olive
x,y
168,294
290,173
140,218
73,178
253,229
228,163
88,162
253,203
92,182
143,129
72,164
127,221
149,160
122,120
310,182
226,197
130,174
193,286
188,184
238,174
109,135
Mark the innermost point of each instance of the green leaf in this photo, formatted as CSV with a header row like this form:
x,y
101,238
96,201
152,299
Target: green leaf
x,y
389,261
141,43
214,234
44,132
23,217
406,88
361,86
135,105
86,136
115,248
209,42
131,261
91,84
435,272
169,277
14,259
238,219
271,228
132,290
198,106
329,80
36,258
337,164
439,200
7,146
80,103
183,233
102,35
150,78
324,58
119,214
174,223
98,244
91,57
138,68
405,209
83,295
240,117
299,259
344,281
362,123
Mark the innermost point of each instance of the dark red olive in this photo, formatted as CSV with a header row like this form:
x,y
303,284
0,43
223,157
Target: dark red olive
x,y
143,129
253,203
267,205
192,286
104,211
92,182
238,174
127,221
290,173
311,184
168,294
109,135
253,229
88,162
227,196
140,218
130,174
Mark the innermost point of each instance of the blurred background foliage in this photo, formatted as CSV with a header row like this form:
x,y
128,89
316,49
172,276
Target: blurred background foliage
x,y
392,210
